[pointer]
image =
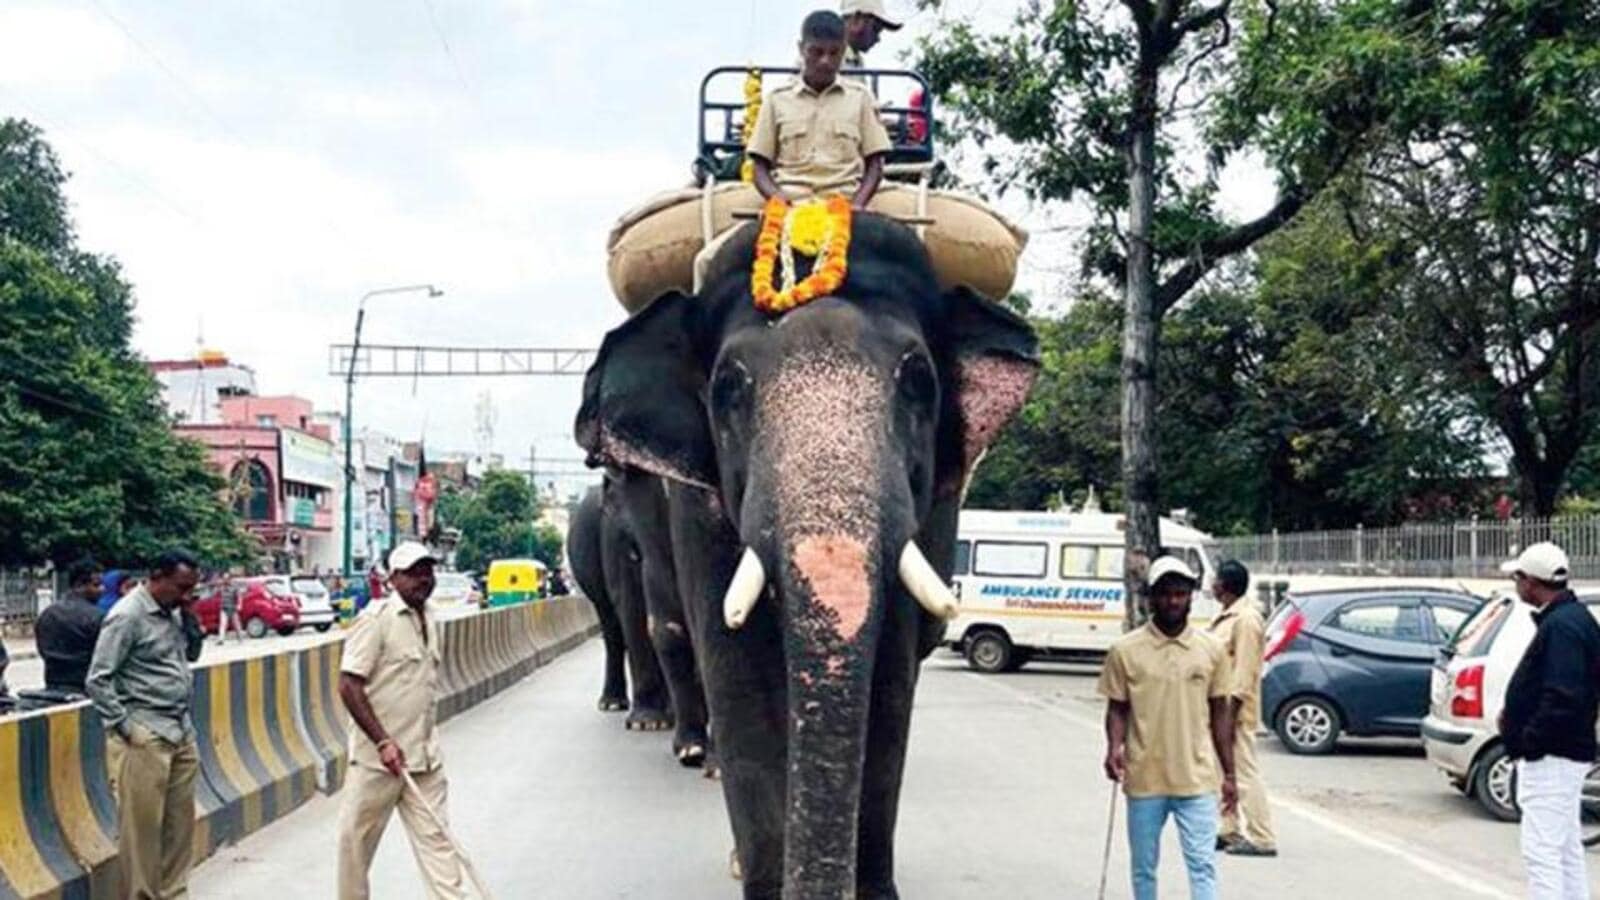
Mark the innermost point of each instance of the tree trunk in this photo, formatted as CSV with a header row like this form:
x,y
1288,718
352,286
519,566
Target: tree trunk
x,y
1139,336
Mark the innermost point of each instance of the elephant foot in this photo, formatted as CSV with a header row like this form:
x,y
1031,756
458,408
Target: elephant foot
x,y
873,892
613,704
649,720
691,755
735,871
711,770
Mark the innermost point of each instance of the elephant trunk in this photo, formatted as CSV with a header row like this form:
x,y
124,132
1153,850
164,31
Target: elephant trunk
x,y
832,615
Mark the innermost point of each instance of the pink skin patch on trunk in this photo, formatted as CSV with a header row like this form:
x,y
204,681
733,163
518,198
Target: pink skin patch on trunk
x,y
835,568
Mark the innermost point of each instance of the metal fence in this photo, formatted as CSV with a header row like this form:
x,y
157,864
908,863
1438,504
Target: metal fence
x,y
23,592
1470,549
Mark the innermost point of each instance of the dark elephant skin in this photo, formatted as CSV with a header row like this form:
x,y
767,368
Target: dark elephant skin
x,y
617,590
588,570
823,442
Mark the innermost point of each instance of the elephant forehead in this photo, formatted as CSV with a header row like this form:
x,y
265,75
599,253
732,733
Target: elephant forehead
x,y
824,418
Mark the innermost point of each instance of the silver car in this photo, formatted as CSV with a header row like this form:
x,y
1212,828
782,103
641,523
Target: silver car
x,y
316,604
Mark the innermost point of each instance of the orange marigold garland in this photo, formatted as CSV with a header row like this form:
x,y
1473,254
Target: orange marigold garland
x,y
778,238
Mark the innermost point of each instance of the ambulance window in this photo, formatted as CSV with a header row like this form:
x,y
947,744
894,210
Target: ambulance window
x,y
1111,559
1011,560
963,557
1077,561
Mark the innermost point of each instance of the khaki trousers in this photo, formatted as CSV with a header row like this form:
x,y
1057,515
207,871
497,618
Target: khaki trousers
x,y
1253,805
153,780
370,798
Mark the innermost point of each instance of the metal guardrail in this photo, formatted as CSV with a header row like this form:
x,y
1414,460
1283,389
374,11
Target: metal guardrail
x,y
20,591
1467,549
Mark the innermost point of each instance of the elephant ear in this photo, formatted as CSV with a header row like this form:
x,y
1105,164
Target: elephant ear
x,y
992,358
642,406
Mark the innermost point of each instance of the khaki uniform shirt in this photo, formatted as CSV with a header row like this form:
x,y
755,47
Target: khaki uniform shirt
x,y
1168,682
818,143
140,669
386,648
1242,632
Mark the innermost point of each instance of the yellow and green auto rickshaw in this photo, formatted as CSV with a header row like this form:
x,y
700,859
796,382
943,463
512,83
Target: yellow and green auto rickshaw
x,y
515,581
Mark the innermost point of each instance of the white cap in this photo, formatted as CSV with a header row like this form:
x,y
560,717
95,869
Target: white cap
x,y
872,8
409,554
1170,565
1544,561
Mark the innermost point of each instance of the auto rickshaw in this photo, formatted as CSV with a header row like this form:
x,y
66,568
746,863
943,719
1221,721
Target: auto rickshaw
x,y
515,581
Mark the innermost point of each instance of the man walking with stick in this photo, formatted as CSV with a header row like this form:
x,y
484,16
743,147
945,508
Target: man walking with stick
x,y
1548,723
389,681
1168,691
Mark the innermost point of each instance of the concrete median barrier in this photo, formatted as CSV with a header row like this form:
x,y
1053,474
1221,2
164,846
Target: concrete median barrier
x,y
270,731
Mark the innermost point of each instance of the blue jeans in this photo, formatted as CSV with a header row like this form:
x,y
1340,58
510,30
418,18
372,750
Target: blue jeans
x,y
1197,833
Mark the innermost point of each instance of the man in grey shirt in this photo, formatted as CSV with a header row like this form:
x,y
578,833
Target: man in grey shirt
x,y
140,682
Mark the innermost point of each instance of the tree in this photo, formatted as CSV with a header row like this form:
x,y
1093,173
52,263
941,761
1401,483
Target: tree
x,y
1488,199
498,520
1070,104
88,463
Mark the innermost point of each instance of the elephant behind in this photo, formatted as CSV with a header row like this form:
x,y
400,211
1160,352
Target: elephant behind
x,y
815,465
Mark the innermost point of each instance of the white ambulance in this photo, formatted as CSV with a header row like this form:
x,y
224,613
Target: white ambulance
x,y
1040,585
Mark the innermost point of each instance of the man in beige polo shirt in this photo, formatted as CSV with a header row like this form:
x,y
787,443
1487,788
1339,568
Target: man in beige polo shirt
x,y
820,134
1169,721
389,681
1242,632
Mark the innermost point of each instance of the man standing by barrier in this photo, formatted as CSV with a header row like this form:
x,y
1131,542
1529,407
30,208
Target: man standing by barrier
x,y
228,610
1168,693
1548,723
389,681
140,682
1242,632
67,630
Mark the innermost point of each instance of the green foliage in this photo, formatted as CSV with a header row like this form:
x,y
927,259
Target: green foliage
x,y
88,463
497,522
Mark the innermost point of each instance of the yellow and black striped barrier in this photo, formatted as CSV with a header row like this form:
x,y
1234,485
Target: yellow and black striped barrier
x,y
270,731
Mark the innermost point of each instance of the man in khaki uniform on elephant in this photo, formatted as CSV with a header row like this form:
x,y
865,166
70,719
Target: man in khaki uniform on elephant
x,y
389,681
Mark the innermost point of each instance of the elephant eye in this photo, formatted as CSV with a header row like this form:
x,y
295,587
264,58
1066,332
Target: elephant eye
x,y
916,379
730,387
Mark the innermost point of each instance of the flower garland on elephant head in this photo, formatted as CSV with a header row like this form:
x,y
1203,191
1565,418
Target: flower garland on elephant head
x,y
816,228
752,108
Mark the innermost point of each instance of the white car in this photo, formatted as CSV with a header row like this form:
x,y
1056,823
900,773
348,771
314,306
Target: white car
x,y
1469,685
316,604
453,591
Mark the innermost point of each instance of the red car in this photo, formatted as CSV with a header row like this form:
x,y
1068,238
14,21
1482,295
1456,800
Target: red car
x,y
264,603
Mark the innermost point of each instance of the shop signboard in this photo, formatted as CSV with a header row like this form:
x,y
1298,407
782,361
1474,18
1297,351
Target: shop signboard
x,y
308,459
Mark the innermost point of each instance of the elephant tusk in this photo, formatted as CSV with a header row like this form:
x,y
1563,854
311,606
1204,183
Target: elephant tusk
x,y
749,580
917,574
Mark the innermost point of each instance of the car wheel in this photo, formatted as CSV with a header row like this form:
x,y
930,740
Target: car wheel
x,y
989,652
256,628
1308,726
324,627
1496,785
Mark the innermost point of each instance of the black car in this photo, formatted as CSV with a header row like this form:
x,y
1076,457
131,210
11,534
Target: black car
x,y
1355,662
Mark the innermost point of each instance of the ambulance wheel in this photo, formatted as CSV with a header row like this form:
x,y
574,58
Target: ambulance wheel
x,y
990,652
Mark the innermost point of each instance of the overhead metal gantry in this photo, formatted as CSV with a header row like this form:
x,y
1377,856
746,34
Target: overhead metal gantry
x,y
417,361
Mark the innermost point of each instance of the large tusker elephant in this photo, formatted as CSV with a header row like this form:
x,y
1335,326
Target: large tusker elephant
x,y
621,557
816,464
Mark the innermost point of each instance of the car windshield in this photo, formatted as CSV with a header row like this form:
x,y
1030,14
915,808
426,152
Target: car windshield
x,y
278,588
1476,635
309,586
451,583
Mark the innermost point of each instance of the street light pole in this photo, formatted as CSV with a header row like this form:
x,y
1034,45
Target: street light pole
x,y
349,407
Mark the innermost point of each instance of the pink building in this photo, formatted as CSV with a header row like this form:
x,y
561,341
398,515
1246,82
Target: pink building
x,y
283,475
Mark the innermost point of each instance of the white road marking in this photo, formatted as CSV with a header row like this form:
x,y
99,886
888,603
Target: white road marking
x,y
1366,837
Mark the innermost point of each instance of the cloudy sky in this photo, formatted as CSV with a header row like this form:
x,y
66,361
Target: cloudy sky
x,y
257,167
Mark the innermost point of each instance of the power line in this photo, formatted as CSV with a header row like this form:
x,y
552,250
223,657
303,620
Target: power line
x,y
433,20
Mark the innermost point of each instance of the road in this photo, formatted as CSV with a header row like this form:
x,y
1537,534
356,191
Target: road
x,y
1003,798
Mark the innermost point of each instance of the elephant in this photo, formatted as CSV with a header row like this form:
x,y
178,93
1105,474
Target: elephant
x,y
815,464
621,557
